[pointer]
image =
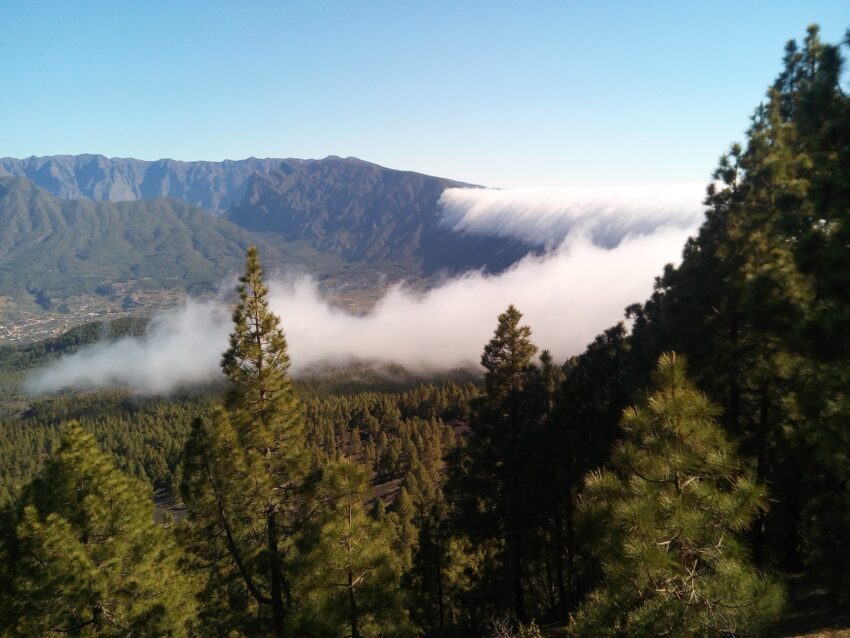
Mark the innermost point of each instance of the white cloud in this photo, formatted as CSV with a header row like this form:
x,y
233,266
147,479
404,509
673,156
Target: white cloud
x,y
567,295
181,347
546,216
605,247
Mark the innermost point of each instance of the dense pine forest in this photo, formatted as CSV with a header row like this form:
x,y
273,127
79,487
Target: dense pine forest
x,y
686,475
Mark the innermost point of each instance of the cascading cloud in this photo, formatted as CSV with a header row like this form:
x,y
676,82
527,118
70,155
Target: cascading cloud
x,y
604,249
546,216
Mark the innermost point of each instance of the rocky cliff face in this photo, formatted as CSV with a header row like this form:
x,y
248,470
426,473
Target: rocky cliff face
x,y
214,186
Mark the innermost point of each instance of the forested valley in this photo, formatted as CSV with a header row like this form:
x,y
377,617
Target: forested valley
x,y
688,474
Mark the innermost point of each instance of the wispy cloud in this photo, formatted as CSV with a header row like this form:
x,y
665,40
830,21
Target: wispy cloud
x,y
181,347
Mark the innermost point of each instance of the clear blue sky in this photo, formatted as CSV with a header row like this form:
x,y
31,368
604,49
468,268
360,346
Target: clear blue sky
x,y
499,93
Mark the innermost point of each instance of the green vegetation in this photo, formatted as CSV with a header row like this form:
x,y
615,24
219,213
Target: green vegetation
x,y
82,555
63,260
53,248
58,247
670,514
145,436
351,587
613,495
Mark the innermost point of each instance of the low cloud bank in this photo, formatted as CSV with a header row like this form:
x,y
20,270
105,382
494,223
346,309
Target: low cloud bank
x,y
181,347
568,295
547,216
604,246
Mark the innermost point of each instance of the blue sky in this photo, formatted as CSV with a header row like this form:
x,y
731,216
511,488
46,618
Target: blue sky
x,y
497,93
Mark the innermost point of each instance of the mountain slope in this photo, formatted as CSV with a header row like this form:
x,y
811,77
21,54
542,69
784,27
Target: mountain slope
x,y
342,207
214,186
70,246
365,212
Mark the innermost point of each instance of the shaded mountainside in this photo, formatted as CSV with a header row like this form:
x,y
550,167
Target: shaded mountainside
x,y
365,212
69,246
214,186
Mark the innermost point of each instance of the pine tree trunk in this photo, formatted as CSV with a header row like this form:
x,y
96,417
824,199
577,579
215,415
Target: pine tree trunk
x,y
515,550
549,569
231,542
733,412
352,607
563,602
439,564
516,557
571,553
278,611
792,560
352,602
761,471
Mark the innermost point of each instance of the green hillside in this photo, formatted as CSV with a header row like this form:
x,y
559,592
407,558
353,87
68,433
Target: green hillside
x,y
69,246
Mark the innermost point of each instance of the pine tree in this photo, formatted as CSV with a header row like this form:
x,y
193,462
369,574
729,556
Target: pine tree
x,y
402,519
488,474
814,110
760,307
354,583
427,577
213,485
507,358
261,402
670,515
577,438
86,557
246,470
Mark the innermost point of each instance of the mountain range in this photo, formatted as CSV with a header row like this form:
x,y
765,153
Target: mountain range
x,y
72,225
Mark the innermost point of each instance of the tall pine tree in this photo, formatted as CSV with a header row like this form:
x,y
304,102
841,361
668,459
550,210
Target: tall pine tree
x,y
245,471
760,307
354,582
489,475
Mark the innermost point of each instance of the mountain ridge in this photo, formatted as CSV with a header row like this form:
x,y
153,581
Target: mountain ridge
x,y
212,185
353,225
348,208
